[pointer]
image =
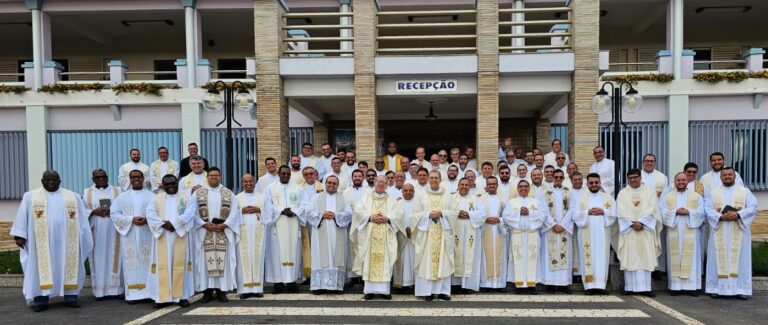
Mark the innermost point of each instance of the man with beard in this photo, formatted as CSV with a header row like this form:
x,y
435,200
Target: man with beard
x,y
712,179
537,185
405,163
652,178
160,167
356,192
351,164
135,164
404,276
336,171
605,168
529,164
326,159
308,159
282,211
731,208
52,231
252,242
296,176
451,183
370,177
377,220
329,216
195,179
682,211
171,279
639,222
523,217
549,176
269,177
396,191
217,222
129,217
471,161
434,241
462,164
494,239
507,188
392,159
551,157
106,276
467,230
596,214
557,245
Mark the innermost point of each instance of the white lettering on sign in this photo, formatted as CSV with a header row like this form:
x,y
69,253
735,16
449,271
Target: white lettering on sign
x,y
426,86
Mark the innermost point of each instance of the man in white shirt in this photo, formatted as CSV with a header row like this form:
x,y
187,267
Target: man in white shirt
x,y
326,158
451,182
161,167
351,163
378,166
197,178
712,179
605,168
134,164
308,159
471,161
269,177
551,157
343,179
421,157
106,276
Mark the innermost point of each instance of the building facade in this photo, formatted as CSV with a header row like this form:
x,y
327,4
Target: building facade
x,y
359,73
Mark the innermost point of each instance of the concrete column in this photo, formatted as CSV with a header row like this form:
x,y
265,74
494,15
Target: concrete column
x,y
191,123
675,35
41,42
487,81
518,29
754,58
117,72
191,43
542,135
272,113
37,143
582,121
320,135
366,112
677,115
345,6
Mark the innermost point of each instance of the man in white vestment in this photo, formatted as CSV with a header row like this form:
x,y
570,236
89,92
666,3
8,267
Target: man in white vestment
x,y
471,176
378,166
296,176
335,170
161,167
682,211
171,278
537,187
574,195
52,230
325,158
493,238
282,211
486,170
252,242
556,238
197,178
350,163
355,192
217,219
308,159
471,161
657,182
135,164
311,187
397,189
551,157
467,231
507,187
421,182
434,164
374,227
712,179
269,177
594,215
421,157
731,209
523,217
605,168
549,176
433,237
404,276
451,183
328,216
560,162
639,222
104,261
129,215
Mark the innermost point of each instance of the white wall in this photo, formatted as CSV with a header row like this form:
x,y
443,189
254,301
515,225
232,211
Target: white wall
x,y
101,118
13,119
726,108
298,120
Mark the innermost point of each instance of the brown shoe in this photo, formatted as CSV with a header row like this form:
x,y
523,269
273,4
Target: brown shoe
x,y
222,296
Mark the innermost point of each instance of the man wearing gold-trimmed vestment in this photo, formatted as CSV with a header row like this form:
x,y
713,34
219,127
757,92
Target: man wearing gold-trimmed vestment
x,y
596,214
105,260
252,242
523,217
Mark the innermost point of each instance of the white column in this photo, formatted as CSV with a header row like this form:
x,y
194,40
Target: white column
x,y
345,21
678,117
518,29
190,123
37,49
37,143
189,27
675,35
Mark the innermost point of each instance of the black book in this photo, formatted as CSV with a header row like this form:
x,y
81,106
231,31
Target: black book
x,y
105,203
728,208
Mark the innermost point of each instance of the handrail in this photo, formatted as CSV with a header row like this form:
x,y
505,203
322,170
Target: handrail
x,y
534,35
513,36
151,72
437,36
631,63
427,12
536,22
409,25
316,39
316,14
428,49
305,27
531,10
80,73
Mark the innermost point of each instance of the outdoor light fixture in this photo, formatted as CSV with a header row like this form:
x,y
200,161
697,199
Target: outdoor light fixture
x,y
431,117
127,23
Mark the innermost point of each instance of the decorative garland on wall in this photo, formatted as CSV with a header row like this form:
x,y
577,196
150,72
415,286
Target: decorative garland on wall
x,y
18,90
57,88
246,85
731,76
634,78
146,88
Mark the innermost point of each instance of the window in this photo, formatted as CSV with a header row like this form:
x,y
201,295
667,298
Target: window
x,y
231,64
165,66
702,55
749,154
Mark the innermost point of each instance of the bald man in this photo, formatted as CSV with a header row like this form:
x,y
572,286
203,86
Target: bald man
x,y
250,249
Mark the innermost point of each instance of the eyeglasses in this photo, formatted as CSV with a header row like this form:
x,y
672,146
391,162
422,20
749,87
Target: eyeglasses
x,y
691,171
649,161
442,155
307,174
512,156
560,158
379,162
559,177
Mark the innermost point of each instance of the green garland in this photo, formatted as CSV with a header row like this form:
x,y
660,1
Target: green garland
x,y
246,85
58,88
731,76
634,78
18,90
151,89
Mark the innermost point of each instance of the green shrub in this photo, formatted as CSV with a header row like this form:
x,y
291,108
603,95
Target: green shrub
x,y
760,260
10,264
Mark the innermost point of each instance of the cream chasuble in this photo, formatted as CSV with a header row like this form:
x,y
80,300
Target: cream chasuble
x,y
524,239
376,243
495,242
684,249
434,239
104,261
467,234
251,245
186,183
329,240
638,250
171,274
594,236
160,168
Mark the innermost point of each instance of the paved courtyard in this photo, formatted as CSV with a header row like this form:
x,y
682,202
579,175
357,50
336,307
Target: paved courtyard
x,y
350,308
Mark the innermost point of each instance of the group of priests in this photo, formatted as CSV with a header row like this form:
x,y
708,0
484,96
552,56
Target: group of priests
x,y
416,226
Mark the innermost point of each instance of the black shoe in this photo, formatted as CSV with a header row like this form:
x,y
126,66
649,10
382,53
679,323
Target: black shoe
x,y
73,304
715,296
100,298
518,291
532,290
589,292
549,289
278,288
368,296
222,296
501,290
649,294
38,308
626,293
444,297
293,288
207,296
576,279
243,296
429,298
675,293
741,297
693,293
160,305
184,303
604,292
257,295
485,290
566,290
131,302
386,297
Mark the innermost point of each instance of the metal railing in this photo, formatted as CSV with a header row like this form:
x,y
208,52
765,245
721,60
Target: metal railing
x,y
320,39
636,139
13,164
448,37
524,29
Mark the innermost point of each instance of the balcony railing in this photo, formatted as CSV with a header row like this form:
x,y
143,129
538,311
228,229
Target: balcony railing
x,y
535,29
331,36
427,32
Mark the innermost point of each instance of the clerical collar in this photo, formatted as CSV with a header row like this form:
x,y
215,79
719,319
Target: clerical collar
x,y
557,187
682,191
393,155
135,190
249,193
196,173
101,188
